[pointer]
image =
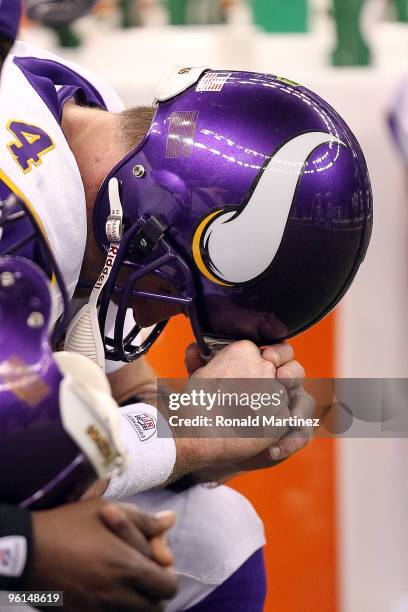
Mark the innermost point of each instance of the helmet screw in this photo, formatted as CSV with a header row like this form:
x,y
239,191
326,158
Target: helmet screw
x,y
139,171
143,243
35,320
7,279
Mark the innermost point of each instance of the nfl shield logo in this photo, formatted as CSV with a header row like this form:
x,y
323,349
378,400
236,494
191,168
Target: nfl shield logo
x,y
144,424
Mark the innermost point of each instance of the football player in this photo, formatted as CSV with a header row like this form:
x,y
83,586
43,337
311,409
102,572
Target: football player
x,y
183,221
91,570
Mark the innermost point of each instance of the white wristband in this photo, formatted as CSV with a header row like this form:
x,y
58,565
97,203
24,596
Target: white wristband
x,y
150,459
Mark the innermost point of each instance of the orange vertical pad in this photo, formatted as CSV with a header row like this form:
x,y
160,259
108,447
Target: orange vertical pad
x,y
295,500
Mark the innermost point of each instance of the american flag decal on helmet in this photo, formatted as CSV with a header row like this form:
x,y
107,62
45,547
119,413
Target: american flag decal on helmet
x,y
213,81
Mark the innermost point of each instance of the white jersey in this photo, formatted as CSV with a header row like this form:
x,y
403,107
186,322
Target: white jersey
x,y
35,158
217,530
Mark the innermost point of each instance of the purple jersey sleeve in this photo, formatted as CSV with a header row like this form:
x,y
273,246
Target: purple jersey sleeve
x,y
47,75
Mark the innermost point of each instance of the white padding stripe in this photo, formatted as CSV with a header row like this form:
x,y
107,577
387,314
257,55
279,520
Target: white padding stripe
x,y
150,459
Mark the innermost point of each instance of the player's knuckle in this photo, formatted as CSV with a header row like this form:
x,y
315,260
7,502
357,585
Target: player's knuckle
x,y
123,523
300,413
150,525
298,369
290,351
273,355
241,346
309,403
285,372
267,368
277,352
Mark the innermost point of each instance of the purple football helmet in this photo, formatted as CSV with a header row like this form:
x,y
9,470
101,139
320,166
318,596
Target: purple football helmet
x,y
55,440
58,421
250,196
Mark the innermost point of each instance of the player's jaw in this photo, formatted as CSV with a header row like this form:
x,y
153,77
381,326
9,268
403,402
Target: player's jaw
x,y
152,311
149,312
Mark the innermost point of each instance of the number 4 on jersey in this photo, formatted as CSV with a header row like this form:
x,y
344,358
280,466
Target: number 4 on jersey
x,y
30,144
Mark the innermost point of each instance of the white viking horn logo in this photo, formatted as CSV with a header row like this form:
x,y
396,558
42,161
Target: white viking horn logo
x,y
239,245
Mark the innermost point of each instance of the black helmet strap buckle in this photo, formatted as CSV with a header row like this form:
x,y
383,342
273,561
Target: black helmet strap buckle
x,y
147,237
